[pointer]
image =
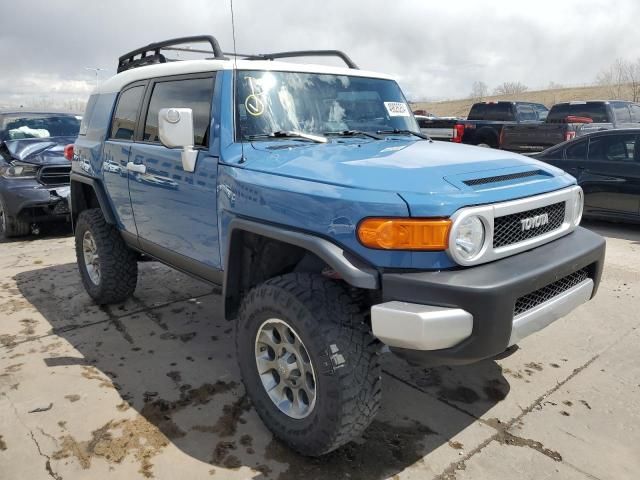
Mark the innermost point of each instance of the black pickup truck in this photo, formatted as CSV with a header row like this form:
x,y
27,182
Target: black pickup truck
x,y
484,123
569,120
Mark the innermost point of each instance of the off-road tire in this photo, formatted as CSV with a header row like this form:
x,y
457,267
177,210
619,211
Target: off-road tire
x,y
12,226
343,352
118,263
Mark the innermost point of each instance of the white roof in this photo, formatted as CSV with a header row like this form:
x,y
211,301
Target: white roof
x,y
115,83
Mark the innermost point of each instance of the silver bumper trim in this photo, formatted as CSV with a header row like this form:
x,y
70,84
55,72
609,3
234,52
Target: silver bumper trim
x,y
548,312
427,327
420,327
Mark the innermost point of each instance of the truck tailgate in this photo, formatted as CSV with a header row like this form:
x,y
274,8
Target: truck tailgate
x,y
438,129
532,138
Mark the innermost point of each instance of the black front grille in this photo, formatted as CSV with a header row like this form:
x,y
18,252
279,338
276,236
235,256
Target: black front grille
x,y
503,178
509,229
540,296
55,175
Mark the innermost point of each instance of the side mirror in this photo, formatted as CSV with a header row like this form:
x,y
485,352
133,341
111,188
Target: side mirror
x,y
175,129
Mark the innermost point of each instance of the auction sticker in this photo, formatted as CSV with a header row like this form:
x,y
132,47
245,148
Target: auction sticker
x,y
397,109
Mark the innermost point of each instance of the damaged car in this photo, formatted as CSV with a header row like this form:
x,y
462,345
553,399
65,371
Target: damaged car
x,y
34,171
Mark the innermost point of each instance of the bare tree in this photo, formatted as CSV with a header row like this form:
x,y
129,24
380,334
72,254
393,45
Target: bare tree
x,y
479,91
614,79
511,88
554,86
632,77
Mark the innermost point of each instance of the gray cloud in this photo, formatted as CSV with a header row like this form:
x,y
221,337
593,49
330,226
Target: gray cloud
x,y
436,49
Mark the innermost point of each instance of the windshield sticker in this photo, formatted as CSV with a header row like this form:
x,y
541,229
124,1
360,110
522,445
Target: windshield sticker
x,y
254,105
397,109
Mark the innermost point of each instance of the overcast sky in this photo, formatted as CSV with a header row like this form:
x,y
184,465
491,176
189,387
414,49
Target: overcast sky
x,y
436,49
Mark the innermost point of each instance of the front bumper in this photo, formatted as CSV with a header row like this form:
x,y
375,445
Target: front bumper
x,y
34,201
466,315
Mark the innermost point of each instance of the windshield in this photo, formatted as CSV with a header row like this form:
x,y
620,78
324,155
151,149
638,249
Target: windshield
x,y
315,103
15,127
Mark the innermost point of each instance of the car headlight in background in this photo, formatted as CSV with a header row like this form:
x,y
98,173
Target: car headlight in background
x,y
19,170
468,237
578,206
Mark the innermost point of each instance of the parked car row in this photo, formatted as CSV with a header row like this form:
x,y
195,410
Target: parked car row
x,y
484,124
526,127
34,175
569,120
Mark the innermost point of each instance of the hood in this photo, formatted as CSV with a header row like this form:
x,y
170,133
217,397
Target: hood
x,y
398,165
39,151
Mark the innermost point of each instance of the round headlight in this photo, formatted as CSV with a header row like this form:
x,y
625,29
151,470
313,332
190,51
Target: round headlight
x,y
468,238
578,207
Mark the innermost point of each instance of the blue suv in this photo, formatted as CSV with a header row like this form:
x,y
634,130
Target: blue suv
x,y
333,225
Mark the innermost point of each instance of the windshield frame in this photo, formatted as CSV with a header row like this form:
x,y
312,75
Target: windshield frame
x,y
238,138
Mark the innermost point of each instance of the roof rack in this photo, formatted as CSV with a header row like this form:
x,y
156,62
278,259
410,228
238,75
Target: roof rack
x,y
128,60
152,53
304,53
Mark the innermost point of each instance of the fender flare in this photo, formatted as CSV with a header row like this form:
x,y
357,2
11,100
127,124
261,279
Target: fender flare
x,y
353,270
101,195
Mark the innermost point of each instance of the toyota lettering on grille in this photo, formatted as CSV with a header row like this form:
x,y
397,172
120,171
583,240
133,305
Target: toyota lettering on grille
x,y
534,222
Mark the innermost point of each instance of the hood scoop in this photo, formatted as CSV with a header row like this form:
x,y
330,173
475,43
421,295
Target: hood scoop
x,y
474,182
499,178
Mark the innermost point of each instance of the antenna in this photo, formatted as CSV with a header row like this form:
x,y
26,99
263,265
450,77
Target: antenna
x,y
235,72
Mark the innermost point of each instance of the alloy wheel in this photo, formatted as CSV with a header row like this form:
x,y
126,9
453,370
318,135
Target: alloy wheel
x,y
91,257
285,369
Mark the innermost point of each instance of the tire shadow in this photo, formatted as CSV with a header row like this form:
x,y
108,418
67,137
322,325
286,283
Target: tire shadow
x,y
168,353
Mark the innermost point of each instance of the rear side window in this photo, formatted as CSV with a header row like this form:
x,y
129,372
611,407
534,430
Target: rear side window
x,y
84,124
526,113
613,148
195,93
595,111
577,151
621,111
492,111
124,119
635,113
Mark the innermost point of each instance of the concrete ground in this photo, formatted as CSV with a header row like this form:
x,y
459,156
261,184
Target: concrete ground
x,y
150,388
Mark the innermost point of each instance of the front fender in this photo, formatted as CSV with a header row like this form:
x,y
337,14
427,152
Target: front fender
x,y
351,269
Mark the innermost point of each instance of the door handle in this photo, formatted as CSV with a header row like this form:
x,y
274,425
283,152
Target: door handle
x,y
136,167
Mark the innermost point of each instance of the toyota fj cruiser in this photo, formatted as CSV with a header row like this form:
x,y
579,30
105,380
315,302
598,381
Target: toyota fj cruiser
x,y
333,225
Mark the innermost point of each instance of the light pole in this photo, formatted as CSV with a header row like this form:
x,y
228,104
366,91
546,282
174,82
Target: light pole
x,y
97,70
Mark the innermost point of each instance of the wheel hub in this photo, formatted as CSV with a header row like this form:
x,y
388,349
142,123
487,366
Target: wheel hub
x,y
91,257
285,369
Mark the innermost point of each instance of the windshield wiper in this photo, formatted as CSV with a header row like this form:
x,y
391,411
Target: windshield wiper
x,y
397,131
354,133
291,134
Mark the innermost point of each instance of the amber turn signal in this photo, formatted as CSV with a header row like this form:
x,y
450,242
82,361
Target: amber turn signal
x,y
404,233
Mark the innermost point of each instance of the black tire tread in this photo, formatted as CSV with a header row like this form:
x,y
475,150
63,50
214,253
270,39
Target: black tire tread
x,y
338,319
15,226
118,263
